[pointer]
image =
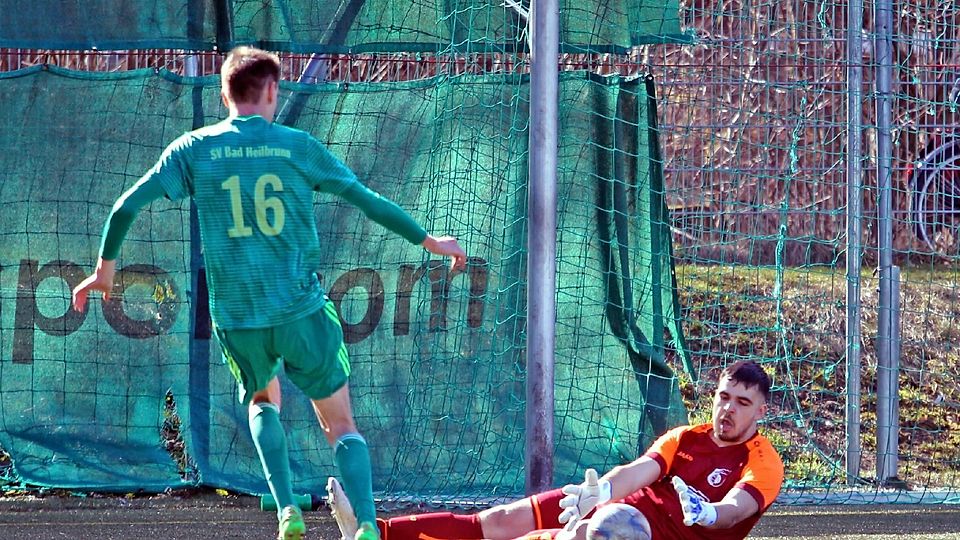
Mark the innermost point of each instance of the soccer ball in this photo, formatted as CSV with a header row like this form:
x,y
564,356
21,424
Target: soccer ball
x,y
618,521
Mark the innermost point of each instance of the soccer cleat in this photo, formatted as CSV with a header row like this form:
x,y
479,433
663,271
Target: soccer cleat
x,y
367,531
292,526
342,511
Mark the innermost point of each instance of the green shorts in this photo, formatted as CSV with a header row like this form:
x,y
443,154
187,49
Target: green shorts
x,y
310,350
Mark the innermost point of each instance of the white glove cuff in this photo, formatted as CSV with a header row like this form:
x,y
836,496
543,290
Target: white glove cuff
x,y
606,491
709,515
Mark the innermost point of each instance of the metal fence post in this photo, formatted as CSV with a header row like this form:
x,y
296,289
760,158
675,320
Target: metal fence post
x,y
854,234
887,387
542,244
888,401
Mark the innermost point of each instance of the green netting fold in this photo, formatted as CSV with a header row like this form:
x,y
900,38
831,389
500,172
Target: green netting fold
x,y
464,26
82,395
438,360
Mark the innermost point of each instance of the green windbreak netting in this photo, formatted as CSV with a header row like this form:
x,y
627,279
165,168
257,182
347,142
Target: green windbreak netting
x,y
438,360
347,25
81,395
107,25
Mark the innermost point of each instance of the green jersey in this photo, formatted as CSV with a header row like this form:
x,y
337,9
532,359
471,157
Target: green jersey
x,y
253,183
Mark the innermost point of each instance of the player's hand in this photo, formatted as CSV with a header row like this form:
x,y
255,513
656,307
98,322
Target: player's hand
x,y
101,280
447,246
582,498
695,509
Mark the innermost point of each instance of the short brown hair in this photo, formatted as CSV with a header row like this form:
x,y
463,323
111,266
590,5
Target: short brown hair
x,y
749,374
246,72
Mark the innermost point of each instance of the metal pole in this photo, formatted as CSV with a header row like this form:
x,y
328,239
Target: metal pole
x,y
191,66
886,383
316,70
542,244
854,232
894,440
888,387
200,325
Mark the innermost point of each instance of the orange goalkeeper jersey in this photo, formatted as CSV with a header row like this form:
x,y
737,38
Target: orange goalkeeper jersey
x,y
712,470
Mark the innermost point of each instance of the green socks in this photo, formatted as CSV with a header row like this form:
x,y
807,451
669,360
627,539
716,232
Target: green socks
x,y
353,459
271,443
350,453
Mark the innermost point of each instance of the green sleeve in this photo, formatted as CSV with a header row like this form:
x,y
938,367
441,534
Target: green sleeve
x,y
385,212
125,210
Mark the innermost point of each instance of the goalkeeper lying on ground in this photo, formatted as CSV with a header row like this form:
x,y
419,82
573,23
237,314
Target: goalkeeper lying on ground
x,y
709,481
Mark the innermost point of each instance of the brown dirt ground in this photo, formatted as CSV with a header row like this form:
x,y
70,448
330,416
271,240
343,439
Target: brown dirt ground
x,y
208,515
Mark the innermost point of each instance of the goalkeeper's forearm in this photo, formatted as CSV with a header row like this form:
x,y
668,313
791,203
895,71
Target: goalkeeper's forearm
x,y
728,514
627,479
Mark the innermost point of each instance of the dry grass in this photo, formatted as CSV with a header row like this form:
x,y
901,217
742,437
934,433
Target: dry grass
x,y
798,328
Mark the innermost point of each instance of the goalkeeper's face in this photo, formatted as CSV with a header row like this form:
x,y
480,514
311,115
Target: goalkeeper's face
x,y
736,411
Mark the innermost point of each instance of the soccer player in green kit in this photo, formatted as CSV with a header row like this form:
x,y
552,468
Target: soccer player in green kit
x,y
253,182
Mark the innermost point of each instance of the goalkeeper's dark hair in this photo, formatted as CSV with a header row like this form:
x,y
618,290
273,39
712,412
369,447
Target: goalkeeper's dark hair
x,y
749,374
246,72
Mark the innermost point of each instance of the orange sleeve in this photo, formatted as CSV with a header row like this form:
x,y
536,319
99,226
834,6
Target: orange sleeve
x,y
664,449
763,474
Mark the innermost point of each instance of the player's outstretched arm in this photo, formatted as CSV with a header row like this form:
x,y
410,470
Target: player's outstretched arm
x,y
101,280
580,499
734,508
390,215
446,246
122,215
620,482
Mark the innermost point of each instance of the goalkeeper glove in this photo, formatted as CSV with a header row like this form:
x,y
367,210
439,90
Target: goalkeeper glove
x,y
695,509
582,498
